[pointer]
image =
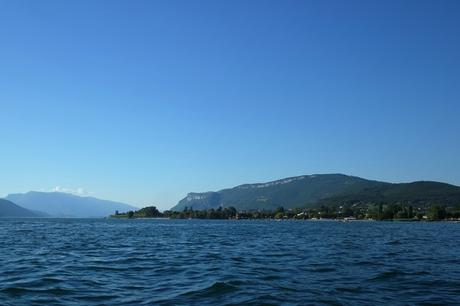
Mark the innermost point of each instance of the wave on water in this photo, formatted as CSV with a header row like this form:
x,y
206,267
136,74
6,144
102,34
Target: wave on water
x,y
187,262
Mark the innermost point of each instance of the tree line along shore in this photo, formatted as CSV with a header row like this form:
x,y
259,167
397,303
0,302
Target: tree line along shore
x,y
358,211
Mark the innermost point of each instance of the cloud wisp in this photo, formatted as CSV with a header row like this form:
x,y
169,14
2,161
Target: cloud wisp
x,y
77,191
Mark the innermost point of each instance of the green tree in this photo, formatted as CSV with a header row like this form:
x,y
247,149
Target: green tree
x,y
436,212
279,209
150,212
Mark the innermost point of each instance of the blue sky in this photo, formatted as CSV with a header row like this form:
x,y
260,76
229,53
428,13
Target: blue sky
x,y
145,101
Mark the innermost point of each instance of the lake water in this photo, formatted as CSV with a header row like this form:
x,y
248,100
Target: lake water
x,y
198,262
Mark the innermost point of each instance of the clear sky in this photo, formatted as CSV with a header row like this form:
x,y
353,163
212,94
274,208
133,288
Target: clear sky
x,y
145,101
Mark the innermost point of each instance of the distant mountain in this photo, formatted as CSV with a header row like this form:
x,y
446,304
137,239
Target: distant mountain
x,y
57,204
10,210
315,190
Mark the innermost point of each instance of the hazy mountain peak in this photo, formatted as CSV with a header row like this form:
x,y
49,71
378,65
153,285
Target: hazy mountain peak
x,y
9,209
60,204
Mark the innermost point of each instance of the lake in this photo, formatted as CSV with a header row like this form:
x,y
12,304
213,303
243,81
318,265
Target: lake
x,y
201,262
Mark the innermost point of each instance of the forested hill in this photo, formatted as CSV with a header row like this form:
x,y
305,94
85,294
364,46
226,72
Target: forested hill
x,y
322,189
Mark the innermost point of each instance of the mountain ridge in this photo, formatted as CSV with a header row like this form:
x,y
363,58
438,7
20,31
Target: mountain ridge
x,y
316,189
59,204
9,209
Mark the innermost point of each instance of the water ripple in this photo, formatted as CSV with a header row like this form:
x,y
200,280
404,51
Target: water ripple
x,y
183,262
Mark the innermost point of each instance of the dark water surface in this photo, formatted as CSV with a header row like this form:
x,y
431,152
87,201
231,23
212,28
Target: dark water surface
x,y
192,262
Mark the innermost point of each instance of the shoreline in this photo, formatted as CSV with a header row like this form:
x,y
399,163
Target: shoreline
x,y
284,220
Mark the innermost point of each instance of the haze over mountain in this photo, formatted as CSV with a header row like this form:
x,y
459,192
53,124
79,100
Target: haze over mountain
x,y
10,210
315,190
58,204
